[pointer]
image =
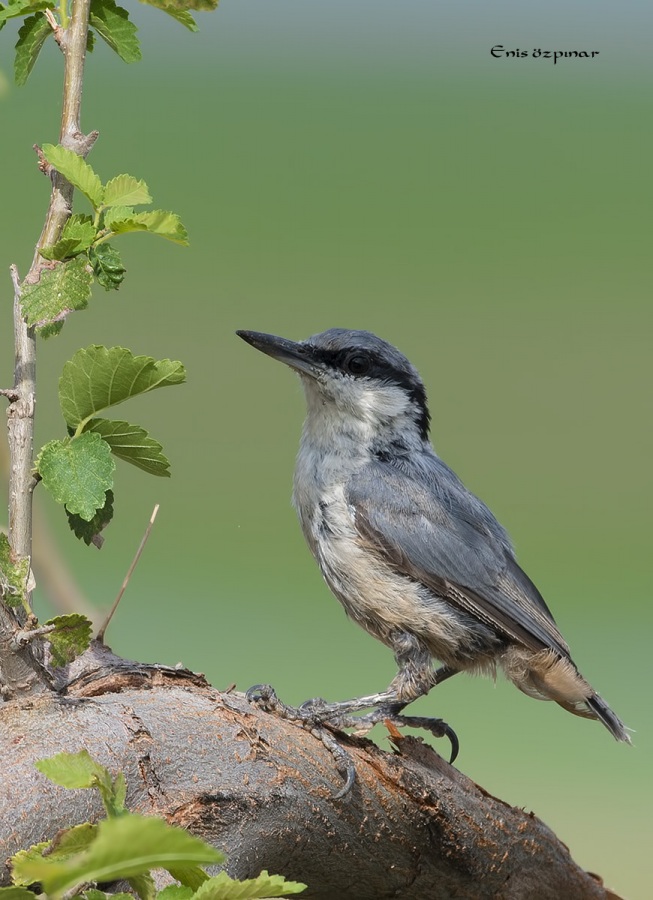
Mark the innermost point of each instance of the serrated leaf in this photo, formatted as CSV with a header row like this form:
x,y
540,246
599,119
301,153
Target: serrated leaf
x,y
78,234
80,770
16,893
117,214
72,840
33,852
63,249
72,635
78,473
165,224
74,770
113,25
191,877
80,228
90,41
181,15
125,190
107,266
78,172
132,444
199,5
31,36
93,894
90,532
175,892
13,575
222,887
99,377
20,7
125,224
143,886
60,291
48,331
126,846
119,791
66,844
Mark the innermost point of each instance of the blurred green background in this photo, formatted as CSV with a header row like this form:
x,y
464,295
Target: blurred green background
x,y
370,165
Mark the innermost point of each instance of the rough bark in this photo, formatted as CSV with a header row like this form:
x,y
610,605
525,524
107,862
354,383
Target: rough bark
x,y
263,790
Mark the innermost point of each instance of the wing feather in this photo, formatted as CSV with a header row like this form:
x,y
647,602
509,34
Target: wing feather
x,y
428,526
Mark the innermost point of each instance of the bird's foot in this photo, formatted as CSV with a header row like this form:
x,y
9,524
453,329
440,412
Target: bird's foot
x,y
322,718
265,696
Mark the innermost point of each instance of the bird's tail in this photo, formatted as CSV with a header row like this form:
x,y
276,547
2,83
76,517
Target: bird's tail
x,y
600,710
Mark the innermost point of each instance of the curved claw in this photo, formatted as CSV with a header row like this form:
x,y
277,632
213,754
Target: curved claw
x,y
261,693
455,743
343,760
350,779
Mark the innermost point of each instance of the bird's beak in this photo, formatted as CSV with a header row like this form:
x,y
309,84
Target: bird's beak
x,y
300,357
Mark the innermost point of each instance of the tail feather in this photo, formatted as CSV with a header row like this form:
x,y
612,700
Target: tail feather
x,y
601,711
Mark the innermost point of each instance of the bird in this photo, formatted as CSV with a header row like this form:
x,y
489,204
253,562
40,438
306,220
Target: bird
x,y
413,556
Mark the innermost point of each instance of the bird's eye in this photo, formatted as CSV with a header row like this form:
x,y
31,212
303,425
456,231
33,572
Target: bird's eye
x,y
358,364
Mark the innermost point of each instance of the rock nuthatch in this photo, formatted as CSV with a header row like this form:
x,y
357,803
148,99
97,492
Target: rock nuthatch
x,y
414,557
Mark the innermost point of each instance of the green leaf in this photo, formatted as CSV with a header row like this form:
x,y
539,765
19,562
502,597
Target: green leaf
x,y
33,852
143,886
61,290
118,214
119,792
93,894
31,36
78,172
181,15
90,532
198,5
16,893
126,846
63,249
74,770
80,770
125,190
48,331
176,891
78,234
78,473
66,844
21,7
113,25
222,887
191,877
133,444
72,841
107,266
13,575
98,377
165,224
72,635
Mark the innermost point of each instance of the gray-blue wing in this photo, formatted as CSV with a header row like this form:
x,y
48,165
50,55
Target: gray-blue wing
x,y
428,526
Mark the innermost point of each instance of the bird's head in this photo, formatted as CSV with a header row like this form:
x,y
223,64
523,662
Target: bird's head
x,y
353,379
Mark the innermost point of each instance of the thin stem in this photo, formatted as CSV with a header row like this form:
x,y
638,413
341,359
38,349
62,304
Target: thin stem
x,y
72,41
73,46
130,570
20,426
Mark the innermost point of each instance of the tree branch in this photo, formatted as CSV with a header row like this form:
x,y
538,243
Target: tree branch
x,y
262,789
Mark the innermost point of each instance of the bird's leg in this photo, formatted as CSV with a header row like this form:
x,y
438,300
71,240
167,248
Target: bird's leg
x,y
414,679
